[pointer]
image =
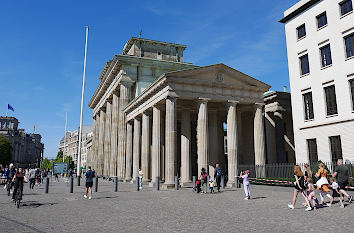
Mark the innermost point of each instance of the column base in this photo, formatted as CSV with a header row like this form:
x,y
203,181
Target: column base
x,y
187,183
127,180
230,184
152,184
168,186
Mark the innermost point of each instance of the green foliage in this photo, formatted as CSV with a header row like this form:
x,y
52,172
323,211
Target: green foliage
x,y
5,150
60,154
47,164
67,159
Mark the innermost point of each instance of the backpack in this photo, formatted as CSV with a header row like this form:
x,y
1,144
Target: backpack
x,y
219,172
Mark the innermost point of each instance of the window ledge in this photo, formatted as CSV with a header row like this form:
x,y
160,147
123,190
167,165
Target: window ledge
x,y
334,115
322,27
301,38
304,75
349,58
309,120
325,67
346,14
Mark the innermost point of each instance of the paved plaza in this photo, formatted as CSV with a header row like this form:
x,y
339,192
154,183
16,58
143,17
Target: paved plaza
x,y
166,211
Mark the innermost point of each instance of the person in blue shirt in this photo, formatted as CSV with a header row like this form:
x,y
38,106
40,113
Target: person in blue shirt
x,y
9,174
89,181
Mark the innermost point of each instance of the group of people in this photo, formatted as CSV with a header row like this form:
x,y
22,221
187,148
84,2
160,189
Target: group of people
x,y
305,184
202,182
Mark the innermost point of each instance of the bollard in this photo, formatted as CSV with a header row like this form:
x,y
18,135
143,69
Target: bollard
x,y
176,183
222,182
78,180
137,184
157,183
236,182
71,184
46,189
115,180
194,182
96,184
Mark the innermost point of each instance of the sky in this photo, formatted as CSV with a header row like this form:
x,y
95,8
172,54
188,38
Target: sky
x,y
42,49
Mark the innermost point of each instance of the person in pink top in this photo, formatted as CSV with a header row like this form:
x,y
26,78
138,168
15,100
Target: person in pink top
x,y
246,183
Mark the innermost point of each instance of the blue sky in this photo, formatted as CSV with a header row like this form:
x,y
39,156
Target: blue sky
x,y
42,49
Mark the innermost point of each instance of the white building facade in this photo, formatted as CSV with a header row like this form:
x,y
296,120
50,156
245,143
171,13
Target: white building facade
x,y
320,45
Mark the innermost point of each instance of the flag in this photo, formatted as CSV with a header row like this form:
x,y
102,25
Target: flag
x,y
34,128
10,107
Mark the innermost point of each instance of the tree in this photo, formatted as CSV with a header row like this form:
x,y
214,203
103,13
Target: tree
x,y
60,154
47,164
5,150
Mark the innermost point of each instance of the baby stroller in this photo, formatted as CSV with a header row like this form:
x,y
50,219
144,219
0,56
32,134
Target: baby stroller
x,y
198,185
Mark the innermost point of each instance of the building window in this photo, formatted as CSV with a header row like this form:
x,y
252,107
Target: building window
x,y
326,57
349,45
336,148
312,150
304,63
351,82
301,31
321,20
308,106
331,101
346,7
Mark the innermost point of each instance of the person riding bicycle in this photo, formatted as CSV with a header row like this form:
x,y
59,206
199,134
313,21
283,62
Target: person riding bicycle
x,y
9,174
18,182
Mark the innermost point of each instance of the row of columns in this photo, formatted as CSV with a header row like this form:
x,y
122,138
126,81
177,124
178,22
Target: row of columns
x,y
207,128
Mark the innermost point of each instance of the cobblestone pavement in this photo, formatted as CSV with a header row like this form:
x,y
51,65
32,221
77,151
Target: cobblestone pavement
x,y
166,211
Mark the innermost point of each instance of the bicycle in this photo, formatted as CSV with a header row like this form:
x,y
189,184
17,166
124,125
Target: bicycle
x,y
18,197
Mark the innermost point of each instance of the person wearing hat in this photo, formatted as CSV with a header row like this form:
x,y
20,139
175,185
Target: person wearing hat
x,y
9,174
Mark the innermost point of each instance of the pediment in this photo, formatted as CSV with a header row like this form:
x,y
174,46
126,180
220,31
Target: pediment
x,y
218,75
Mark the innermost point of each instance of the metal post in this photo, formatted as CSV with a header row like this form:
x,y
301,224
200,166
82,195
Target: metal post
x,y
194,182
96,184
115,180
78,180
157,183
236,182
46,185
82,108
222,182
137,184
208,185
176,183
71,184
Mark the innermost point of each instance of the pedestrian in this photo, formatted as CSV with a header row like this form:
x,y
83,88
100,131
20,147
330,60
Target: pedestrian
x,y
211,185
89,174
311,192
336,193
204,179
342,174
246,183
322,183
32,178
299,188
217,175
141,175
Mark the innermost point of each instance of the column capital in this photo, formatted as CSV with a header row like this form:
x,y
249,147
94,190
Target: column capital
x,y
232,102
258,105
126,84
171,95
203,100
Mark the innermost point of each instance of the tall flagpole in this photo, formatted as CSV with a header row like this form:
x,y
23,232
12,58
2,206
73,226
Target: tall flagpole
x,y
82,107
66,124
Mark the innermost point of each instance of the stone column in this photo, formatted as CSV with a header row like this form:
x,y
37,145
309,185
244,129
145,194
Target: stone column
x,y
232,142
213,141
156,144
186,160
123,101
170,141
101,143
259,142
114,135
107,141
280,132
145,147
93,149
202,135
129,153
136,147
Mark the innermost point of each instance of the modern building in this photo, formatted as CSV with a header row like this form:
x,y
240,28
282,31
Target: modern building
x,y
153,111
27,148
320,44
69,144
